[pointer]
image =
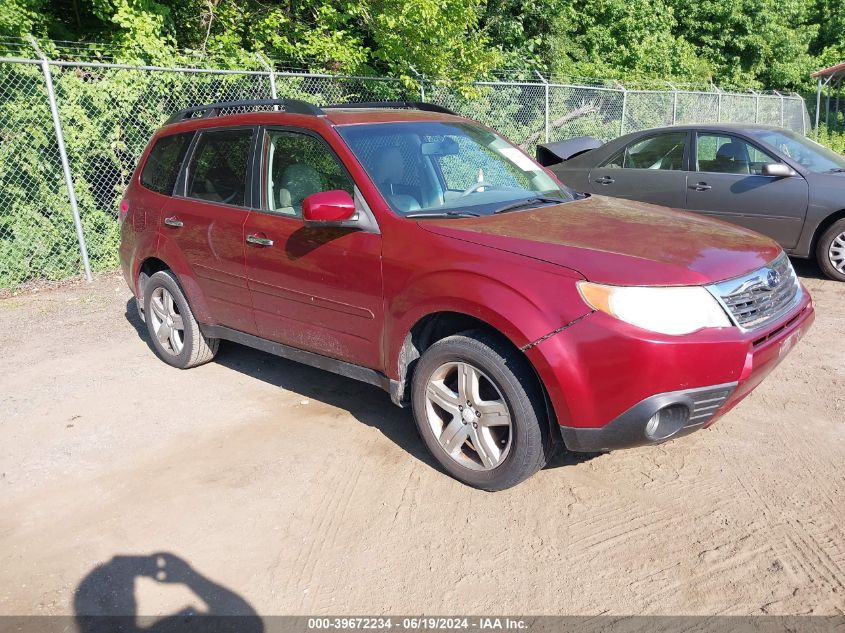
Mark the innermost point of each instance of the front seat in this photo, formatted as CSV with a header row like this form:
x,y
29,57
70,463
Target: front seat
x,y
298,182
389,172
732,158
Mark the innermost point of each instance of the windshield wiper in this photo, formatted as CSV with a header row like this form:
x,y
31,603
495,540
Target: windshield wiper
x,y
835,170
528,202
443,214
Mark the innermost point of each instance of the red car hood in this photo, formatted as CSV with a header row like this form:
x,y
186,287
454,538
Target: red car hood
x,y
615,241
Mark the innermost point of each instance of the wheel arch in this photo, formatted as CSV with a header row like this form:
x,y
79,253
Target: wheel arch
x,y
437,325
184,277
823,226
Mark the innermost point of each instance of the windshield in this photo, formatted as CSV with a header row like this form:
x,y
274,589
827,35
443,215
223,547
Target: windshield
x,y
445,168
802,150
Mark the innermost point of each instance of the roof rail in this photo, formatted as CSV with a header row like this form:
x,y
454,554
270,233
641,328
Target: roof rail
x,y
293,106
405,105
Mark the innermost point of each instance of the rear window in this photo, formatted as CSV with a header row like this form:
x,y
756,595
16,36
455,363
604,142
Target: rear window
x,y
162,167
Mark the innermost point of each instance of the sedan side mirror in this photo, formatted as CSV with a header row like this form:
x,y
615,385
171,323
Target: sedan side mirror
x,y
778,170
328,207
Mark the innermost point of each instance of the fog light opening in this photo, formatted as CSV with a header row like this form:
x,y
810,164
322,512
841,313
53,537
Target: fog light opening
x,y
666,422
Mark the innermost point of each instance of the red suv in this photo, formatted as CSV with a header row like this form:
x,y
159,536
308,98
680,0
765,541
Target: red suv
x,y
414,249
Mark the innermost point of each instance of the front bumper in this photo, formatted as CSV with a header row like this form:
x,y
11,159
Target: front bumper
x,y
630,429
606,379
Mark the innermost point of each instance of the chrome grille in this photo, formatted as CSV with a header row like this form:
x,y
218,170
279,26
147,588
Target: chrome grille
x,y
760,297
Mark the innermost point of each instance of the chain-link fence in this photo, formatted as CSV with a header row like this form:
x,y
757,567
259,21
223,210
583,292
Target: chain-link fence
x,y
106,113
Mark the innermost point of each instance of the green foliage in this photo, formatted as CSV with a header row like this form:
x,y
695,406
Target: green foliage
x,y
834,139
633,39
770,44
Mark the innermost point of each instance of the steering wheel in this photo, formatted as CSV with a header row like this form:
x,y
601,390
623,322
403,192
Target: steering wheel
x,y
476,186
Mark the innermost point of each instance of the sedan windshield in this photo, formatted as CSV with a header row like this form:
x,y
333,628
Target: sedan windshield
x,y
446,169
802,150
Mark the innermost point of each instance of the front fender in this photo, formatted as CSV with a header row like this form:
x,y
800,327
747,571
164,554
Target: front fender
x,y
544,302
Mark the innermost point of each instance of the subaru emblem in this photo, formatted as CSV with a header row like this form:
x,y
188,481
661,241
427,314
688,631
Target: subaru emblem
x,y
772,279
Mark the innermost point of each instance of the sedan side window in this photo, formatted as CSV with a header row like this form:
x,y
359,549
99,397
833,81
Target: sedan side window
x,y
662,151
725,154
298,165
218,169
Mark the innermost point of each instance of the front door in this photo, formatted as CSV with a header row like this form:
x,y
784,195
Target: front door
x,y
649,169
205,223
314,288
728,183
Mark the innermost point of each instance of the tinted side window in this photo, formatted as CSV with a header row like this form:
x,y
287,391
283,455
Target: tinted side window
x,y
663,151
162,167
724,154
218,169
299,165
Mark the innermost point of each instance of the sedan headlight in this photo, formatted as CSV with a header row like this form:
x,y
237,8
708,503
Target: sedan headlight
x,y
668,310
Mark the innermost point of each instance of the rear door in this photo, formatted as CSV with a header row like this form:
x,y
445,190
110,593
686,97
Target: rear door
x,y
316,288
205,223
728,183
650,169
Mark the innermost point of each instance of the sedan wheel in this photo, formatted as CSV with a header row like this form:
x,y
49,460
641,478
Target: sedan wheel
x,y
830,251
468,415
836,252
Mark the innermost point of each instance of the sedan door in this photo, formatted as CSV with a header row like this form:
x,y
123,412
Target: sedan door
x,y
728,183
317,288
649,169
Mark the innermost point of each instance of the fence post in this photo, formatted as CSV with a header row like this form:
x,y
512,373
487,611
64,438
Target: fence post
x,y
546,115
674,102
624,111
781,106
60,141
718,105
756,106
270,74
421,79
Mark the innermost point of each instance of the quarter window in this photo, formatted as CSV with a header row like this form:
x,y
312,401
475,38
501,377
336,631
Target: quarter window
x,y
218,169
724,154
162,167
662,151
297,166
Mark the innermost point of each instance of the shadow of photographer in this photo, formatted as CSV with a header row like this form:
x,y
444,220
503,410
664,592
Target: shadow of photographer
x,y
106,600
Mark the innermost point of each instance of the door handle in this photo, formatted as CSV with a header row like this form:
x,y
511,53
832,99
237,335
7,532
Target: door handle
x,y
701,186
605,180
259,241
174,222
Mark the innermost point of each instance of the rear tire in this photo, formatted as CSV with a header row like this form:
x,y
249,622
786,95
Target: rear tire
x,y
480,410
830,251
175,333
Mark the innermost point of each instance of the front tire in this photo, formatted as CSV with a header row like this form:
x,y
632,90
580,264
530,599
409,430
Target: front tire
x,y
480,411
175,333
830,251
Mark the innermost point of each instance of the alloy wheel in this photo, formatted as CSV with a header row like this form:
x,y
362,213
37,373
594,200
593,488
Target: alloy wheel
x,y
468,415
166,321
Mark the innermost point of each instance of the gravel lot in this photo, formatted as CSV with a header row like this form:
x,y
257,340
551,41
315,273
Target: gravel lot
x,y
299,492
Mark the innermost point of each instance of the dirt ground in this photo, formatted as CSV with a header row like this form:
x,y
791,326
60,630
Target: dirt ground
x,y
277,488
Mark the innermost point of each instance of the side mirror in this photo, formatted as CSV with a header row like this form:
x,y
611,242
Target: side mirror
x,y
778,170
328,207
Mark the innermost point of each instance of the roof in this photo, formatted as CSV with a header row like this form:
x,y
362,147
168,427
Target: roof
x,y
339,114
834,72
711,127
349,116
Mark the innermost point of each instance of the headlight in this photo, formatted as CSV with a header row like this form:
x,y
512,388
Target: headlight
x,y
668,310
